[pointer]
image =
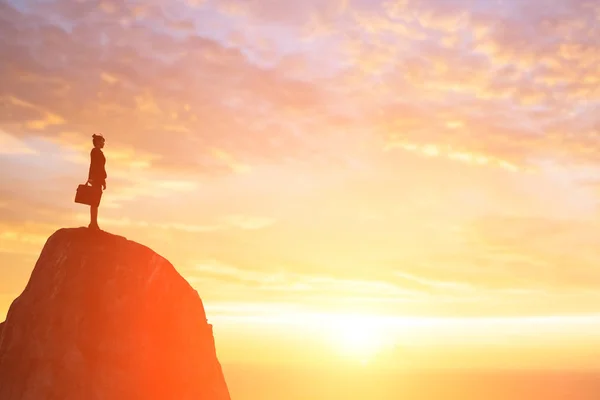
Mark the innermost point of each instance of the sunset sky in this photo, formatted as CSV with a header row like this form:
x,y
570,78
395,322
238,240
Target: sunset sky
x,y
336,178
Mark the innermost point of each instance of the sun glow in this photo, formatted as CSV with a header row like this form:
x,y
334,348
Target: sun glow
x,y
359,338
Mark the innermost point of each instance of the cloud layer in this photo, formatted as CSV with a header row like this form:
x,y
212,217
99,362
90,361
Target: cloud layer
x,y
407,156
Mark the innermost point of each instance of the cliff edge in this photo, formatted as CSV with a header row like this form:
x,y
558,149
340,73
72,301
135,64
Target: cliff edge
x,y
105,318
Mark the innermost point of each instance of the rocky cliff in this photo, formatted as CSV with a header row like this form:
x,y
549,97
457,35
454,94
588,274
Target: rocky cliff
x,y
105,318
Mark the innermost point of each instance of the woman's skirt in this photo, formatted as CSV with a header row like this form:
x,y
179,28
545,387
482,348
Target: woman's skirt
x,y
98,194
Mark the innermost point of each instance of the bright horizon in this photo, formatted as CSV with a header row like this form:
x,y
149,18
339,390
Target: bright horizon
x,y
379,184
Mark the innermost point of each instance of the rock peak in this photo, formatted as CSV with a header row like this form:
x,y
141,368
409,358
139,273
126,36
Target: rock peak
x,y
103,317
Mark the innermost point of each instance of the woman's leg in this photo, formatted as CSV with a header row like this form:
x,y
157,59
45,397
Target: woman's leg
x,y
93,216
94,208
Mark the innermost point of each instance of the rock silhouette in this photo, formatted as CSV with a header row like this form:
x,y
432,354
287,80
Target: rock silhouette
x,y
103,317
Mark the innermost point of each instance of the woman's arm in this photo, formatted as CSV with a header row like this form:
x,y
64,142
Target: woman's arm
x,y
89,180
93,166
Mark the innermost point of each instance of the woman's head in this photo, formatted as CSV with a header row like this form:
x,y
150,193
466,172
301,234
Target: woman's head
x,y
98,141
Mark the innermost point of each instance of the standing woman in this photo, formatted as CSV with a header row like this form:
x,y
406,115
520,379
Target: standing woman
x,y
97,177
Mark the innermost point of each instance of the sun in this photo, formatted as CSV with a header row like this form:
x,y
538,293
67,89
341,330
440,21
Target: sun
x,y
356,337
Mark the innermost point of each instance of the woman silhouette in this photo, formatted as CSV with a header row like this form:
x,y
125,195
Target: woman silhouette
x,y
97,176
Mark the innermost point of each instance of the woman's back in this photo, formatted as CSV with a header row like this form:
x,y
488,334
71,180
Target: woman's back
x,y
98,162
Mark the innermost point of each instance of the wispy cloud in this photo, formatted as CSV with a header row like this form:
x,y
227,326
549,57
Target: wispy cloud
x,y
12,145
220,224
291,282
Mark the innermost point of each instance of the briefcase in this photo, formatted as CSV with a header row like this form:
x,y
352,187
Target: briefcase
x,y
88,195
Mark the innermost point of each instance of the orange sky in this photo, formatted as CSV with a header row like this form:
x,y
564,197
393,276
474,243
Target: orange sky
x,y
422,166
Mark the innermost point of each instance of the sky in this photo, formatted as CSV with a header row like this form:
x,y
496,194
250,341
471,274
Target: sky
x,y
338,176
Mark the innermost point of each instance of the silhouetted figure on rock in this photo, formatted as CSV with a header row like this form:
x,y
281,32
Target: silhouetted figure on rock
x,y
97,176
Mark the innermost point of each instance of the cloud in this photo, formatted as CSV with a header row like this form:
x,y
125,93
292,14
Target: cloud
x,y
249,222
228,160
242,222
402,293
272,10
108,78
433,283
255,109
298,283
532,252
163,96
366,145
11,145
22,239
433,150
